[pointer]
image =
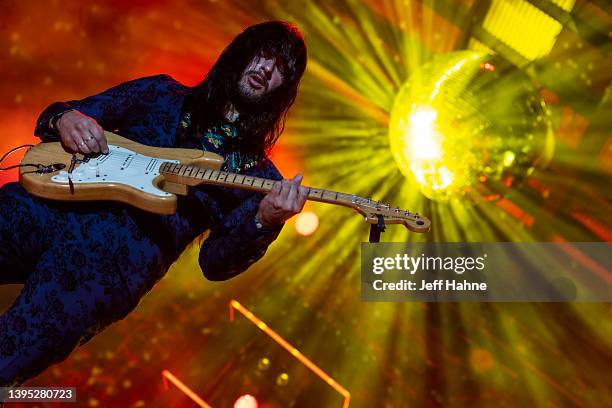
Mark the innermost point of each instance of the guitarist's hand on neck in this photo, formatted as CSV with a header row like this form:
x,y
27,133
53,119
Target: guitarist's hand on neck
x,y
285,200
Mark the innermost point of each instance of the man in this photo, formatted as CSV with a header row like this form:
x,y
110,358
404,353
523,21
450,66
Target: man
x,y
88,264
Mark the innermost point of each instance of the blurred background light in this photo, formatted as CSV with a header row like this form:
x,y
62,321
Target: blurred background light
x,y
246,401
306,223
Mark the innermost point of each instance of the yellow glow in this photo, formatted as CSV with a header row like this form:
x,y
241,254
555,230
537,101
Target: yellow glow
x,y
508,158
306,223
423,139
451,126
448,73
445,178
532,32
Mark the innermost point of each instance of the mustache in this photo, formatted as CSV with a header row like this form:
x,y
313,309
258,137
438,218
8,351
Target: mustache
x,y
260,75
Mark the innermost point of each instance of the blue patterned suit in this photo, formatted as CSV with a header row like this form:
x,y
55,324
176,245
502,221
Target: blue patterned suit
x,y
88,264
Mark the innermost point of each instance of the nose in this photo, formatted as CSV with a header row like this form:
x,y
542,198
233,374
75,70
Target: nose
x,y
268,65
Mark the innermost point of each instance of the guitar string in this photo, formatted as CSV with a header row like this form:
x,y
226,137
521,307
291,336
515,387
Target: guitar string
x,y
140,161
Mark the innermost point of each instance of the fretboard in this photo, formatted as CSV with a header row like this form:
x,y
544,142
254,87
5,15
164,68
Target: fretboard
x,y
193,175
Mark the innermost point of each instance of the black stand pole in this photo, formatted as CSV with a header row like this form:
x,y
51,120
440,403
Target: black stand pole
x,y
377,229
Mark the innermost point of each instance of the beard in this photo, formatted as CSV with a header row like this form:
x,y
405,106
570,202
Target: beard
x,y
246,101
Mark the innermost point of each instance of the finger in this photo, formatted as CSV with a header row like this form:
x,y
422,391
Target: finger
x,y
285,188
303,196
276,189
68,142
293,190
76,139
98,133
71,144
82,145
82,148
102,139
298,178
300,200
92,142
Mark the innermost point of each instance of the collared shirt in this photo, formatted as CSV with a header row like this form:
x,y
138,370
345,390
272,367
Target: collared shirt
x,y
216,139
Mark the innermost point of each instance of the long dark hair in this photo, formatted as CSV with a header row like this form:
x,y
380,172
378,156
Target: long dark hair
x,y
262,121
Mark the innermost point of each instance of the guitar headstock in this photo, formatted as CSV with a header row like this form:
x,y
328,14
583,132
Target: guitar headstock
x,y
371,209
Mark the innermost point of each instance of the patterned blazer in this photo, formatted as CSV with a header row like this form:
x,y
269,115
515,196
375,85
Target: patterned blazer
x,y
148,111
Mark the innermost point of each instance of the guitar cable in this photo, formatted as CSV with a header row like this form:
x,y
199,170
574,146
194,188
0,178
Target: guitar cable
x,y
40,168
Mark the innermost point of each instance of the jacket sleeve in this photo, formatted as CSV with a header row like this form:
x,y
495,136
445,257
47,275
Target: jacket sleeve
x,y
107,108
235,243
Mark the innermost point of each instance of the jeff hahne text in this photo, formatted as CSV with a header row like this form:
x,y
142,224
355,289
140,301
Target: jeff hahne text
x,y
422,263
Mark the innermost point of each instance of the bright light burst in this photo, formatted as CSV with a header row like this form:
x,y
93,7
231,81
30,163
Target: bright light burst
x,y
445,137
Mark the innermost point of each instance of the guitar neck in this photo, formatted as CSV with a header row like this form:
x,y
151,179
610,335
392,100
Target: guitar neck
x,y
192,175
374,212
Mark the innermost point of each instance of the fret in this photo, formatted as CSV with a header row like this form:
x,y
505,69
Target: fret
x,y
259,182
328,193
315,193
207,174
233,175
343,197
269,184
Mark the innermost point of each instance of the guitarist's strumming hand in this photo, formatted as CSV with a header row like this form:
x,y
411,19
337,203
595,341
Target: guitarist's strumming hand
x,y
81,133
286,199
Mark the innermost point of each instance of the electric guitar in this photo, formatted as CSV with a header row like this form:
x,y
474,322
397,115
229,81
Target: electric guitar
x,y
150,178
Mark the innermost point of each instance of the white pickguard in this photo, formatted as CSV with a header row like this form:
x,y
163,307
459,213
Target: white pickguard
x,y
119,166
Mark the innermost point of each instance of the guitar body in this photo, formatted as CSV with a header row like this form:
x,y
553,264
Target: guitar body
x,y
129,174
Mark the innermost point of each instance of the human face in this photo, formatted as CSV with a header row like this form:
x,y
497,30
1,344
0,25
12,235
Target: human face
x,y
264,74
